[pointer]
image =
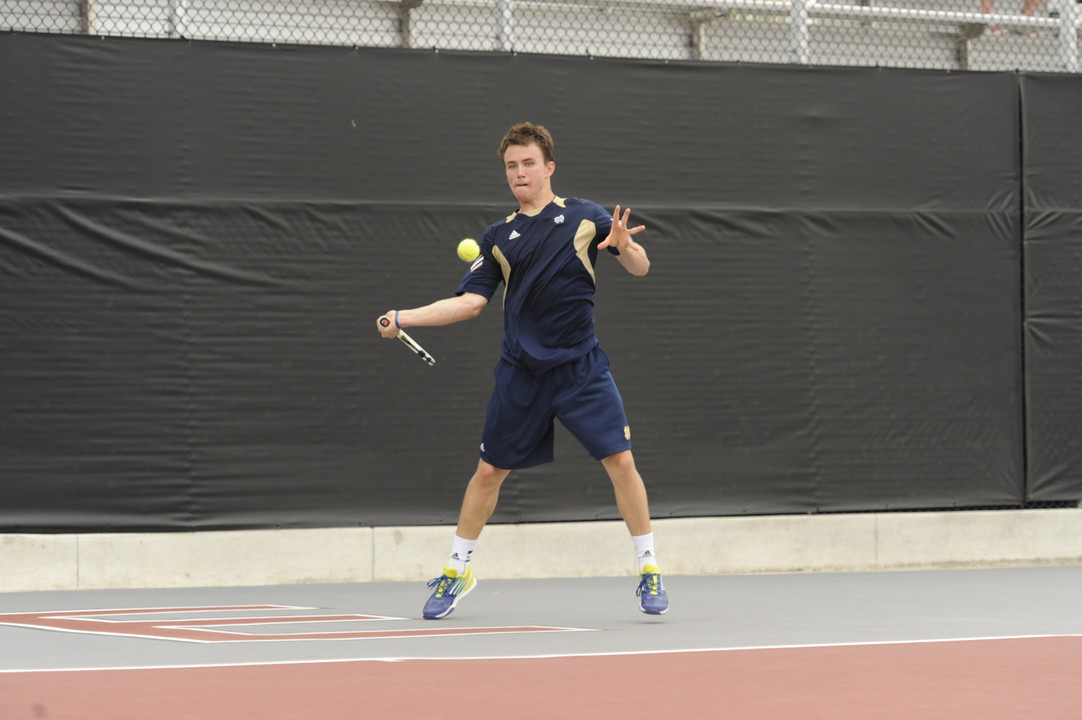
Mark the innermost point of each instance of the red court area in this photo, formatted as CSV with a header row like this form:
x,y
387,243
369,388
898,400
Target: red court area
x,y
980,679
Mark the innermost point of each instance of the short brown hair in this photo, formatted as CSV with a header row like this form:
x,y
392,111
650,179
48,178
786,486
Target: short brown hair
x,y
526,133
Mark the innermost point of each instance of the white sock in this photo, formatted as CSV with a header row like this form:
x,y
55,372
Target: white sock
x,y
644,550
461,550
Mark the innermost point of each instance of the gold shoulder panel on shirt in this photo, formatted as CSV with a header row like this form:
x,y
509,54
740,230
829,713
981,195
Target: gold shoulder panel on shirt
x,y
505,268
583,237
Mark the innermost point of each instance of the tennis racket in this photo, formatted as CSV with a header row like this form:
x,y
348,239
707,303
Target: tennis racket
x,y
410,343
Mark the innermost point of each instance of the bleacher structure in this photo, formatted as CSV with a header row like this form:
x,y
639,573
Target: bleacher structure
x,y
945,35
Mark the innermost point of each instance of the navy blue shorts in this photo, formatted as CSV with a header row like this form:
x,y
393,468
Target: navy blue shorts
x,y
580,394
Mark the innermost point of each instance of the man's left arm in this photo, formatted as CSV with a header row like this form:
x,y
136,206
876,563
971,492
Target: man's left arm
x,y
633,258
632,255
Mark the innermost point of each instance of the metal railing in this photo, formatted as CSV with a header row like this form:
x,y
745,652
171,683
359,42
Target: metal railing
x,y
949,34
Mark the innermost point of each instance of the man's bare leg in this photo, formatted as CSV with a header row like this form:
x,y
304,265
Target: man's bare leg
x,y
630,492
478,504
635,509
480,499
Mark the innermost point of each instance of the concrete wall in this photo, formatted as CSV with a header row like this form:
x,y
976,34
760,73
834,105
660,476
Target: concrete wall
x,y
770,544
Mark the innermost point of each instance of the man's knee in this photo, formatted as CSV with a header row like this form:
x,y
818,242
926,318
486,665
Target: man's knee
x,y
488,475
621,464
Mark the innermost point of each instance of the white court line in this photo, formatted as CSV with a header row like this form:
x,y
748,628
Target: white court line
x,y
209,629
676,651
414,633
421,632
164,610
254,621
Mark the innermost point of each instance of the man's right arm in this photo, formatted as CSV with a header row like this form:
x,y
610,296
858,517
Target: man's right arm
x,y
442,312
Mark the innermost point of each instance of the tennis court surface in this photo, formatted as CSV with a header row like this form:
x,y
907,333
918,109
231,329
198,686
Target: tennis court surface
x,y
987,643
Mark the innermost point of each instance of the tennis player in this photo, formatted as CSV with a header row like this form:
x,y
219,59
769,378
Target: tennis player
x,y
551,365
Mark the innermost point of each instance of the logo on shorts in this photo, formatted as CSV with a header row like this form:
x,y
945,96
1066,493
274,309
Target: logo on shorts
x,y
627,432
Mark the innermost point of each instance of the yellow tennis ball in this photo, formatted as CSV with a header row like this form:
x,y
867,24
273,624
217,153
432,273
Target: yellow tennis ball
x,y
468,249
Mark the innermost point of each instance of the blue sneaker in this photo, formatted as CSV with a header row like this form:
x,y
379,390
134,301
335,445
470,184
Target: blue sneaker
x,y
450,588
653,599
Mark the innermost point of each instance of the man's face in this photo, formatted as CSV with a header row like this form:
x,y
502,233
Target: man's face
x,y
527,172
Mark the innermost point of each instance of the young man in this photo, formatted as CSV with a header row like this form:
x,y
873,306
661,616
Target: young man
x,y
551,365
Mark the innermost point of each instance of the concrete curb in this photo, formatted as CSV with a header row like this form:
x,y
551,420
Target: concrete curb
x,y
692,546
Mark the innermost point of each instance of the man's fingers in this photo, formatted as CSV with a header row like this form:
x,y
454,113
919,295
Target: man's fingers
x,y
384,323
620,229
617,221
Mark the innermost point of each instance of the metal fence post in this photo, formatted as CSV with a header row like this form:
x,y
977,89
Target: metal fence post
x,y
1068,35
505,18
798,26
177,22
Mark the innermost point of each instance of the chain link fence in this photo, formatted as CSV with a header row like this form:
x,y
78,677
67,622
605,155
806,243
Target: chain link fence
x,y
1039,35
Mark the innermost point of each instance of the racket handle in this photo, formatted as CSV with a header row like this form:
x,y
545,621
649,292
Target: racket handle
x,y
384,322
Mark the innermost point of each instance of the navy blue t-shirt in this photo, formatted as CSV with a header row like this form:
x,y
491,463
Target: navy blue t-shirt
x,y
546,262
